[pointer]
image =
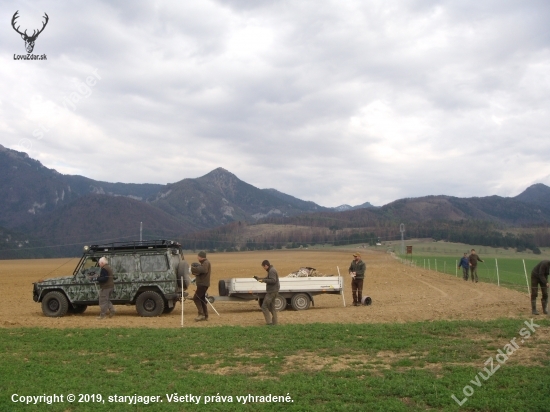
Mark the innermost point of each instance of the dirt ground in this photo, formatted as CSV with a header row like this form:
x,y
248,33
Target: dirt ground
x,y
399,293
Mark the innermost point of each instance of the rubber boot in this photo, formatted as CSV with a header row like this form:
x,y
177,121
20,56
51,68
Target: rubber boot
x,y
545,307
534,307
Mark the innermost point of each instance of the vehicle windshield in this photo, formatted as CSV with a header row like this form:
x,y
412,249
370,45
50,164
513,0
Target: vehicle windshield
x,y
90,262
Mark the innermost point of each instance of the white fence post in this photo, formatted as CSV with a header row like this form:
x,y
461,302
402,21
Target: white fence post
x,y
526,280
498,278
456,268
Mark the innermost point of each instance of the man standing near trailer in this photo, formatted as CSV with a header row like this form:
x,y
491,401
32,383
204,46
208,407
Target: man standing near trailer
x,y
465,265
357,270
202,272
473,259
272,289
539,276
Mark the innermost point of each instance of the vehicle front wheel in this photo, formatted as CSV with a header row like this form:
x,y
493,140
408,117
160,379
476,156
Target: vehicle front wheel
x,y
55,304
149,304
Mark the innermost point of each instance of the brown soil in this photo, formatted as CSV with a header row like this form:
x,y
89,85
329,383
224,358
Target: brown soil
x,y
400,294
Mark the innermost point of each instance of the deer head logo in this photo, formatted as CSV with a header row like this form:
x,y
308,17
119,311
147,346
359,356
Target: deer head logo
x,y
29,40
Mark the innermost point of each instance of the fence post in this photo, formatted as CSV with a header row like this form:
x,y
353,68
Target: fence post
x,y
526,280
435,265
456,268
429,268
498,278
445,266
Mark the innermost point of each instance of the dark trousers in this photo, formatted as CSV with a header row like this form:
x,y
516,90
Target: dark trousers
x,y
535,282
357,290
200,300
465,273
105,301
473,273
268,308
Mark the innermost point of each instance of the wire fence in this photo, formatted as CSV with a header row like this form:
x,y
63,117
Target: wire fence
x,y
510,273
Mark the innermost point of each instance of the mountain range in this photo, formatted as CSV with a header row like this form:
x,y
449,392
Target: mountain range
x,y
42,206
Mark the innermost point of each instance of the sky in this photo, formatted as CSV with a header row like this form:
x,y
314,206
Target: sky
x,y
329,101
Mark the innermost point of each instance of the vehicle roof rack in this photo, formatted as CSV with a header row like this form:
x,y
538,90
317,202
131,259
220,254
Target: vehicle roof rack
x,y
136,245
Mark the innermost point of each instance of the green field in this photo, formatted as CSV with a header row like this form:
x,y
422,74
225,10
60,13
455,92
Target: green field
x,y
444,257
316,367
511,272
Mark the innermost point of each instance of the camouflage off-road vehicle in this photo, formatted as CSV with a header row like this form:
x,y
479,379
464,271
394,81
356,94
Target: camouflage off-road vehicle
x,y
144,273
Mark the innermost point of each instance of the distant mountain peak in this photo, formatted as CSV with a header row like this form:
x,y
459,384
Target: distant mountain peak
x,y
538,194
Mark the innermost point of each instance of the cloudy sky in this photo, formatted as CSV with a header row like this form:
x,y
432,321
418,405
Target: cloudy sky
x,y
330,101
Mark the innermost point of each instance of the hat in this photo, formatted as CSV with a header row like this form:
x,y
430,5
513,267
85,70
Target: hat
x,y
202,254
356,255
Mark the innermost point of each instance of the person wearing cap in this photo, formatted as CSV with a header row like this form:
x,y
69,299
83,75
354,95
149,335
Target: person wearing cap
x,y
201,271
272,289
357,270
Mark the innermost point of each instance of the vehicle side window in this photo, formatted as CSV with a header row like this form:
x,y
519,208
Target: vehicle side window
x,y
123,264
153,263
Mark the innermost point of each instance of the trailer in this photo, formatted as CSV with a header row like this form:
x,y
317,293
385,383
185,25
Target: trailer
x,y
294,292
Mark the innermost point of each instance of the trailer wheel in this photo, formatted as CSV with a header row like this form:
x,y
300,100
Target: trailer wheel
x,y
280,303
300,301
222,289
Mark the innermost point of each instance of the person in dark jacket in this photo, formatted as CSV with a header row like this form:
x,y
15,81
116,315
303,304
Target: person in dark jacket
x,y
473,259
465,265
202,272
539,276
357,270
106,288
272,290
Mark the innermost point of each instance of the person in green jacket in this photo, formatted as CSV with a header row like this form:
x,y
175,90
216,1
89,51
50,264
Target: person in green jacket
x,y
357,270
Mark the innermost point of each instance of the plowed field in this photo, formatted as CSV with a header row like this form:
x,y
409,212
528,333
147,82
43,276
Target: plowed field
x,y
399,293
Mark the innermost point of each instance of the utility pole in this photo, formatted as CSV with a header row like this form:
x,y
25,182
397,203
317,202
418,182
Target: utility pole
x,y
402,230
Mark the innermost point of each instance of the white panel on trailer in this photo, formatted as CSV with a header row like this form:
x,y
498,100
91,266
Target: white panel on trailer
x,y
302,284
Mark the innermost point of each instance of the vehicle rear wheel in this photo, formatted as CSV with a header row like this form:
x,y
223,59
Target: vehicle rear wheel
x,y
300,301
55,304
77,309
149,304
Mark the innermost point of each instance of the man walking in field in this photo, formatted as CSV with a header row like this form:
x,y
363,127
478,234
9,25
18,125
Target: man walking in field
x,y
202,272
357,270
465,265
473,259
272,290
539,276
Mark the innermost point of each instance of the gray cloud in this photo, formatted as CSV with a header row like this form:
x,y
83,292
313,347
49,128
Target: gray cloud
x,y
327,101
